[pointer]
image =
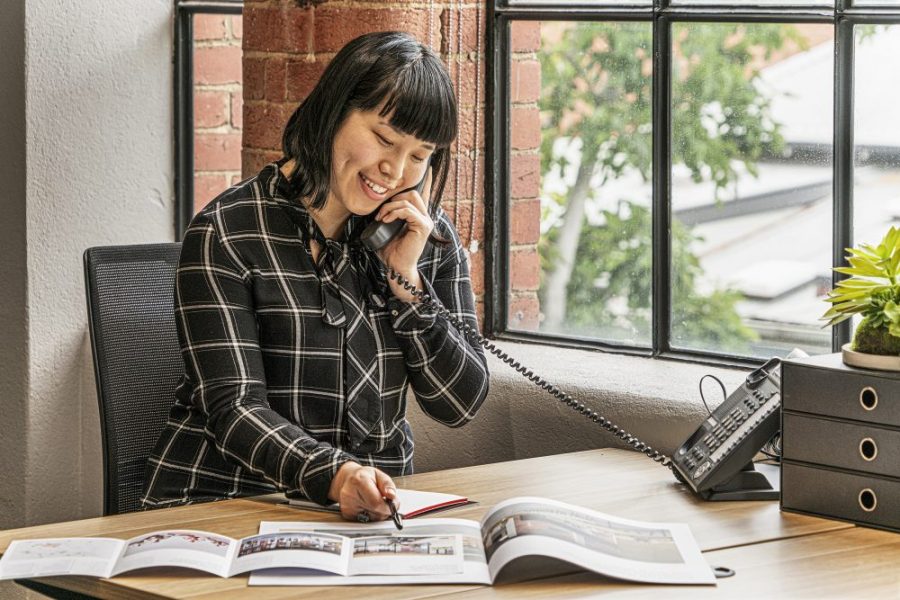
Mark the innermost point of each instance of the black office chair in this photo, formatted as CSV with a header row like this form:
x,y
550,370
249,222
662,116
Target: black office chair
x,y
137,360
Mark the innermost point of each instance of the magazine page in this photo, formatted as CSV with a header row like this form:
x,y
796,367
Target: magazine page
x,y
474,565
187,548
615,547
399,553
318,550
60,556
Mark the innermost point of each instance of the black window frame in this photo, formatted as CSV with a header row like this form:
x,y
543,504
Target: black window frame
x,y
843,15
184,100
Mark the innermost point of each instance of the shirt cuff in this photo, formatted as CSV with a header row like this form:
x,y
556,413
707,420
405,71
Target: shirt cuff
x,y
314,479
413,317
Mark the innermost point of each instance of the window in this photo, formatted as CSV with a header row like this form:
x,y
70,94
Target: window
x,y
690,206
208,103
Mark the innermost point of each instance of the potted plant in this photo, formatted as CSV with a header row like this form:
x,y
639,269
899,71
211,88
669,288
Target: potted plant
x,y
872,290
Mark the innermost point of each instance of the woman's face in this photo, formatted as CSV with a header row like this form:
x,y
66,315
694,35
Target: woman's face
x,y
372,161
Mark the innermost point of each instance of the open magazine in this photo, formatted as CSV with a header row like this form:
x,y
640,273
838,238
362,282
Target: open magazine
x,y
223,556
524,538
510,537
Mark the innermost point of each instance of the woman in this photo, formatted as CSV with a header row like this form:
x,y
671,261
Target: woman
x,y
298,348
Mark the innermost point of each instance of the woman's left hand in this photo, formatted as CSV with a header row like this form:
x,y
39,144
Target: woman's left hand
x,y
403,252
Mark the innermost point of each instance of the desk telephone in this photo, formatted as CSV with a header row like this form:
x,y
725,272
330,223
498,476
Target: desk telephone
x,y
716,462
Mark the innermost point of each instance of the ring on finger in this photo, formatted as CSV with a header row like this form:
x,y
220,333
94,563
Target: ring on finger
x,y
363,517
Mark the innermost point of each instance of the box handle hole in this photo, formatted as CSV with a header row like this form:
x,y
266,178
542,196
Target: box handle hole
x,y
867,500
868,398
868,449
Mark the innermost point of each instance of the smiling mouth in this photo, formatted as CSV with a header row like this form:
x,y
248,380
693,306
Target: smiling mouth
x,y
373,186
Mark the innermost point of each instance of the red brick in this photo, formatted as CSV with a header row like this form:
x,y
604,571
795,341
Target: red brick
x,y
265,28
209,27
469,29
525,128
210,109
524,312
275,80
237,26
525,36
464,83
237,110
302,76
207,187
466,170
466,141
334,27
476,270
252,161
464,214
479,313
525,222
525,81
524,176
217,151
263,124
524,269
218,64
254,76
235,179
300,24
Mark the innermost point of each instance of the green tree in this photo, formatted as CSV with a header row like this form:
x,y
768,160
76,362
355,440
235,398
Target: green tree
x,y
596,95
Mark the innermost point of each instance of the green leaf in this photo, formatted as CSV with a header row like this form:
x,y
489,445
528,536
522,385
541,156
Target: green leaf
x,y
894,329
892,311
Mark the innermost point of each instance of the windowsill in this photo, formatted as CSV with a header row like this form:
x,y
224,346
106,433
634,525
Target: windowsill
x,y
656,400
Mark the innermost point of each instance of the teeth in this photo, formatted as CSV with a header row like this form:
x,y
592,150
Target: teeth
x,y
374,187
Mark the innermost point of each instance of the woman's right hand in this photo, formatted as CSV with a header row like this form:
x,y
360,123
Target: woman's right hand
x,y
360,490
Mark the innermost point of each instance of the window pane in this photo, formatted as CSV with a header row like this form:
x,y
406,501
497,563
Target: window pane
x,y
218,104
876,190
751,186
580,132
876,2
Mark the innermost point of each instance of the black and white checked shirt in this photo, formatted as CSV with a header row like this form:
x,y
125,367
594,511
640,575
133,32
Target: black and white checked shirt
x,y
263,404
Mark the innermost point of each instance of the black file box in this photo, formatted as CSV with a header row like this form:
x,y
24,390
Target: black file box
x,y
841,442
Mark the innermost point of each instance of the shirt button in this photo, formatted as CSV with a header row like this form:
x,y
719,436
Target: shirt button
x,y
394,312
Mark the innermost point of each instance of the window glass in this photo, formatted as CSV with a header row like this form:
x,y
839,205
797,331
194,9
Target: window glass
x,y
876,176
751,186
580,226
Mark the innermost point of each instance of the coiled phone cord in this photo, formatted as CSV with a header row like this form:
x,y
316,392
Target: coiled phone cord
x,y
551,389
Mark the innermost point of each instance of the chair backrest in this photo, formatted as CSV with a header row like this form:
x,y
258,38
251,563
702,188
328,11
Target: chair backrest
x,y
137,360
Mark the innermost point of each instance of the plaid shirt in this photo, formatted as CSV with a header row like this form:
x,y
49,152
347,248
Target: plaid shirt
x,y
262,405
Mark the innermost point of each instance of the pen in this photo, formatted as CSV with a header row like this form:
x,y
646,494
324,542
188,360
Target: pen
x,y
394,514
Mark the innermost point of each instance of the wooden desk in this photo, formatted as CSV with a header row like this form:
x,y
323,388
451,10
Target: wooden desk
x,y
773,554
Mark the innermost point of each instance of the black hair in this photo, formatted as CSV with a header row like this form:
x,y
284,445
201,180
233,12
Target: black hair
x,y
389,68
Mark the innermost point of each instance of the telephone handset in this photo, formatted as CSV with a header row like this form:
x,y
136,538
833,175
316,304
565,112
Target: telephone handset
x,y
716,461
377,234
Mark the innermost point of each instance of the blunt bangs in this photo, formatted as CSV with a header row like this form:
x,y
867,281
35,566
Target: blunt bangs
x,y
388,71
412,90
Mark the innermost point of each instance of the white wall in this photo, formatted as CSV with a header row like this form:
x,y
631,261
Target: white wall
x,y
98,158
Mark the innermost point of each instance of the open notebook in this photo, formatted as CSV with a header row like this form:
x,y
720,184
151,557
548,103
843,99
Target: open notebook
x,y
413,503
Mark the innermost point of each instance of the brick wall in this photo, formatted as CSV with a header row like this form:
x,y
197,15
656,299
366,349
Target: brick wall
x,y
218,104
286,47
525,175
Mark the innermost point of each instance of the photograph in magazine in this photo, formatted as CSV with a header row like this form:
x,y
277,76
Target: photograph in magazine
x,y
647,544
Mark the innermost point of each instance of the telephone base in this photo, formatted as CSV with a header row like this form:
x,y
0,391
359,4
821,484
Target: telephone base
x,y
749,484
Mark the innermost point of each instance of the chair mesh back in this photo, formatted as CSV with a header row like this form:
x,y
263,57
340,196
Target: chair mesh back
x,y
137,360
